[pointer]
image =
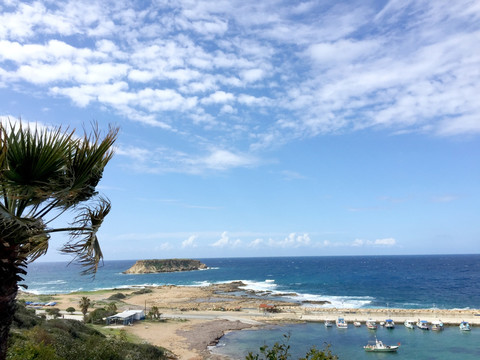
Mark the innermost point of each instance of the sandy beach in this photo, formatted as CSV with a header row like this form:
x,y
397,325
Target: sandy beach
x,y
195,317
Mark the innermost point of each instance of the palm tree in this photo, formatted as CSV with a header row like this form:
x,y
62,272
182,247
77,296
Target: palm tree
x,y
44,173
84,304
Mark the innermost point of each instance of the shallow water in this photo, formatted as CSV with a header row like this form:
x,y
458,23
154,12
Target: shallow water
x,y
450,343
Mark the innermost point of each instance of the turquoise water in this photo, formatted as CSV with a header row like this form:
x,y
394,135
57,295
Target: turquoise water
x,y
348,343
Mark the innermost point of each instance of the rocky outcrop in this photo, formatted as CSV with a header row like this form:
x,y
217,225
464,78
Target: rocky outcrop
x,y
164,265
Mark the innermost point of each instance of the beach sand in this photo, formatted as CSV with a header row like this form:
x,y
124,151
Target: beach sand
x,y
195,317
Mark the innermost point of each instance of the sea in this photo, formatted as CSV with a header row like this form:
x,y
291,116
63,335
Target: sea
x,y
408,282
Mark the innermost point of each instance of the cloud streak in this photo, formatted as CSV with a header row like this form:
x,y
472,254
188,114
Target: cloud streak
x,y
249,75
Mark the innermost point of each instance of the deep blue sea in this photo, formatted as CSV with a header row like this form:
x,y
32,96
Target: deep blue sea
x,y
439,281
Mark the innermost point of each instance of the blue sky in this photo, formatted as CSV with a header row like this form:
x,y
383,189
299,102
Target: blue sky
x,y
263,128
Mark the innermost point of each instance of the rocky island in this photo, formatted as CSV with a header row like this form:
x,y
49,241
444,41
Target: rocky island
x,y
165,265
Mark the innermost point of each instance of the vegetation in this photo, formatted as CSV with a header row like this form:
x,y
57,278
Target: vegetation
x,y
84,304
154,313
117,296
55,312
142,291
70,309
34,338
281,351
45,172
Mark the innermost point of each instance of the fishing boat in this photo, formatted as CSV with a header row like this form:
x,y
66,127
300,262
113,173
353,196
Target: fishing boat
x,y
464,326
409,324
437,325
341,323
423,324
328,323
357,323
378,346
371,324
389,324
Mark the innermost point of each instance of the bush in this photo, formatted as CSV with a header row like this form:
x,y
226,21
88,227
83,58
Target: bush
x,y
97,316
117,296
282,352
61,339
142,291
70,310
55,312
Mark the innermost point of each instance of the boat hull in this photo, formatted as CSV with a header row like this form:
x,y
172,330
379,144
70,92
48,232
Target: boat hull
x,y
390,349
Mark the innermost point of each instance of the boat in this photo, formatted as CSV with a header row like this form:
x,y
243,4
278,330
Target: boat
x,y
328,323
341,323
389,324
409,324
371,324
437,325
378,346
357,323
423,324
464,326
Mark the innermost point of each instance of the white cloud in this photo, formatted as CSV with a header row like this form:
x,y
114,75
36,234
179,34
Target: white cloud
x,y
277,71
190,242
291,241
218,97
225,241
387,242
252,75
163,247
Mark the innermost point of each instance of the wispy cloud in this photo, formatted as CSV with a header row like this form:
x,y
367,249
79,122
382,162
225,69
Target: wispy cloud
x,y
259,74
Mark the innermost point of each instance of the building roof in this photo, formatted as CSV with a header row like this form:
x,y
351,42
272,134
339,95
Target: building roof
x,y
125,314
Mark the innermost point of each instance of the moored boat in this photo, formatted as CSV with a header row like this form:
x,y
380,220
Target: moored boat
x,y
389,324
464,326
379,346
341,323
409,324
371,324
437,325
357,323
423,324
328,323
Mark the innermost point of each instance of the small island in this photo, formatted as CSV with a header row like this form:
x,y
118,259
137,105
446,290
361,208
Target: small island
x,y
165,265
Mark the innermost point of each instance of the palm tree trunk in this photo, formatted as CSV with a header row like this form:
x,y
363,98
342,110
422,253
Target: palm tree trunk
x,y
10,273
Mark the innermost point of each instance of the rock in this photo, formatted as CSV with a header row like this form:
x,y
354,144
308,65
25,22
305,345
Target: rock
x,y
164,265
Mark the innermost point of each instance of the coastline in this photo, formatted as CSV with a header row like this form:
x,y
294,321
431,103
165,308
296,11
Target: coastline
x,y
194,318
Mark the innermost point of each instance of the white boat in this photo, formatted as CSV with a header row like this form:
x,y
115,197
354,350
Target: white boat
x,y
378,346
464,326
423,324
341,323
389,324
357,323
328,323
371,324
437,325
409,324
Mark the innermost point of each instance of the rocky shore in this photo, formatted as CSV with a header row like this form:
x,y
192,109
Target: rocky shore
x,y
193,318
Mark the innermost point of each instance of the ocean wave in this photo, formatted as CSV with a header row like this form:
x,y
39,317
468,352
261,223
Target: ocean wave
x,y
51,282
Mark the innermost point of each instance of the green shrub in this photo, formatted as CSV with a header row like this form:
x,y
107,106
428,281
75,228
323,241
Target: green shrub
x,y
117,296
62,339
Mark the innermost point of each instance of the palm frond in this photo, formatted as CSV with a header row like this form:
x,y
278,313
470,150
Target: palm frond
x,y
84,244
86,165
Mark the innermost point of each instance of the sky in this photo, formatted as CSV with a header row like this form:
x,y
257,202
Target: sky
x,y
262,128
